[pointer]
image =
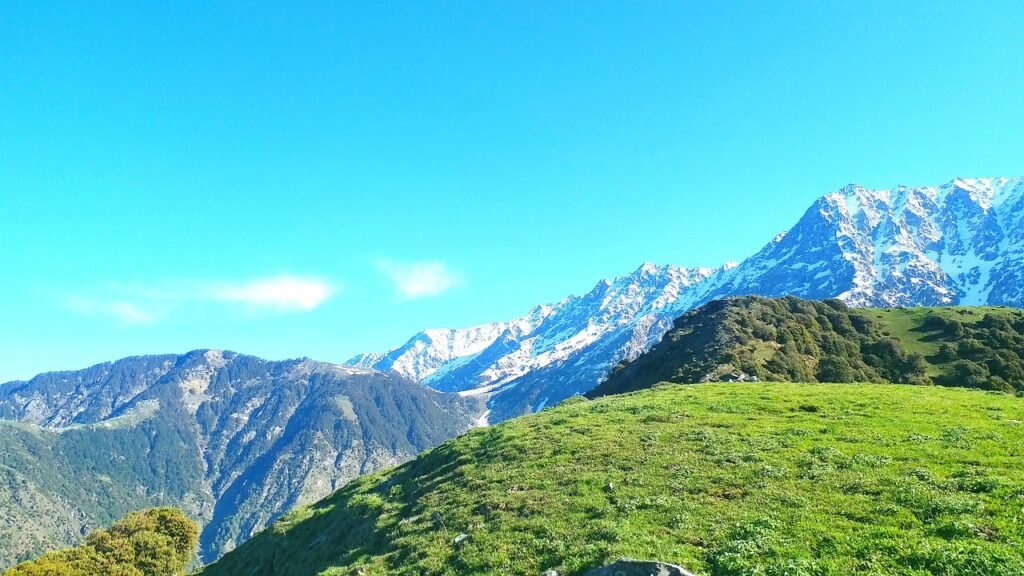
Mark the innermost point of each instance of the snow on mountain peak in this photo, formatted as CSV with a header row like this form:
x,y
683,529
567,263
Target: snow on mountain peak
x,y
961,242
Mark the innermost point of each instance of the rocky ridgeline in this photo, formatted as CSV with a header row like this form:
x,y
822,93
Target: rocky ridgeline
x,y
233,440
959,243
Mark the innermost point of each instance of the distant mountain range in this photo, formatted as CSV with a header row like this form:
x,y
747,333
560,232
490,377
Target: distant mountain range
x,y
233,440
959,243
236,440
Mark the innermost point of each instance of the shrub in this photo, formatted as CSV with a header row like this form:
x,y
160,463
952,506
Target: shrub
x,y
155,542
970,374
835,369
947,353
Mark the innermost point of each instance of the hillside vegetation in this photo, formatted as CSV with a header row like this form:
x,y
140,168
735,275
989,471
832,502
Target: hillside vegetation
x,y
155,542
724,479
233,440
794,340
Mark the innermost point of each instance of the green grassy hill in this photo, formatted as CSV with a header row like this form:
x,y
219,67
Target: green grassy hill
x,y
793,340
725,479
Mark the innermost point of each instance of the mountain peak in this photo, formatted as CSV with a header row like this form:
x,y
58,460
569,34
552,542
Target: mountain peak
x,y
868,247
648,268
235,440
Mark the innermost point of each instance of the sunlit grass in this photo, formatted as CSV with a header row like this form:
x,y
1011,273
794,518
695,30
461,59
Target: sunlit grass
x,y
726,479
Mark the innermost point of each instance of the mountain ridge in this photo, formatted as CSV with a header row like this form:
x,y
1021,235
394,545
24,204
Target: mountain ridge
x,y
958,243
234,440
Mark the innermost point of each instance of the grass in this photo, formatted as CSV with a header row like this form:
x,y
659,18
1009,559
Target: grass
x,y
905,325
725,479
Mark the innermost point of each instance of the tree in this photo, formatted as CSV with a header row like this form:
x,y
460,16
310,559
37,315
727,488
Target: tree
x,y
835,369
947,353
970,374
154,542
954,328
916,369
972,348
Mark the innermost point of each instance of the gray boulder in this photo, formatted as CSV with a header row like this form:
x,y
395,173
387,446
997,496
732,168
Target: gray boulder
x,y
629,567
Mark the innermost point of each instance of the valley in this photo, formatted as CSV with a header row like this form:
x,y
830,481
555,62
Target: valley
x,y
233,440
511,289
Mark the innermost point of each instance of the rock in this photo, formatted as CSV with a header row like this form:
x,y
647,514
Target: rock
x,y
629,567
551,573
460,539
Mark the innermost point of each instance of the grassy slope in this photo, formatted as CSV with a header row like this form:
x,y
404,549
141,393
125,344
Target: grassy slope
x,y
905,325
788,339
726,479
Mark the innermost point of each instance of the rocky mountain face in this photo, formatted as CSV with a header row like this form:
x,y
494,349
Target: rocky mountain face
x,y
959,243
553,352
232,439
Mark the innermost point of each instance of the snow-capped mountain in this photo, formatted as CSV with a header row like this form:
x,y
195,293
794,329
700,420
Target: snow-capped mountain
x,y
959,243
575,339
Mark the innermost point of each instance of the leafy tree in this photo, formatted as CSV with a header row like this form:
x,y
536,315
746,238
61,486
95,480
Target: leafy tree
x,y
971,374
971,348
947,353
997,323
154,542
954,329
835,369
916,370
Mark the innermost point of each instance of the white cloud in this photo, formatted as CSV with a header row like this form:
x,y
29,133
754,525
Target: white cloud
x,y
413,280
140,304
284,293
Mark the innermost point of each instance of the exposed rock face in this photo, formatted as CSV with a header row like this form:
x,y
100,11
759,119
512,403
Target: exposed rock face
x,y
232,439
959,243
627,567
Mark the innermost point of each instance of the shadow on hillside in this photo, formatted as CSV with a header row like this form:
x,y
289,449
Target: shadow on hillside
x,y
359,521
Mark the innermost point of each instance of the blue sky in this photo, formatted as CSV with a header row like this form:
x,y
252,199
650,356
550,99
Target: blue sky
x,y
319,179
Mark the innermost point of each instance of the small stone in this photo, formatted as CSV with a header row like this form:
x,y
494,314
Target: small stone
x,y
460,539
551,573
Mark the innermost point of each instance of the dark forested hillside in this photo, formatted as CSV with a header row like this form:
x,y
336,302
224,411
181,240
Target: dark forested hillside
x,y
794,340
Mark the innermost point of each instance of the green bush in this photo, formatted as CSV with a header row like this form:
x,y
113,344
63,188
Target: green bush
x,y
154,542
835,369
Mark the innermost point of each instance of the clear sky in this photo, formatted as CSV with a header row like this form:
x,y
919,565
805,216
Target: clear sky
x,y
319,179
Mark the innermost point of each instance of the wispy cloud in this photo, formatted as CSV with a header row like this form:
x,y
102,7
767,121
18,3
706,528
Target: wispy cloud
x,y
284,294
141,304
413,280
123,311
